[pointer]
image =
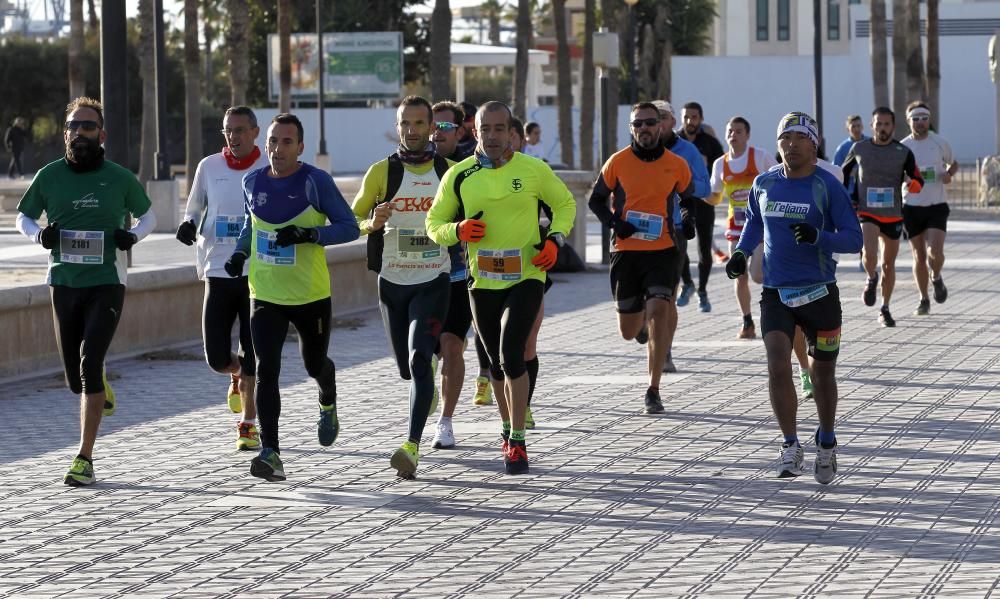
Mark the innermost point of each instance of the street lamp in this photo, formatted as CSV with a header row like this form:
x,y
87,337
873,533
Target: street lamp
x,y
633,90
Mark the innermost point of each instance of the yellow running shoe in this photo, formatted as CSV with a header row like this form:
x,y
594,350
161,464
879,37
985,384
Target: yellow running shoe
x,y
404,460
80,474
484,392
235,402
248,437
109,396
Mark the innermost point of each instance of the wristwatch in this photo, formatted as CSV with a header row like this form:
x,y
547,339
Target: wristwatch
x,y
559,238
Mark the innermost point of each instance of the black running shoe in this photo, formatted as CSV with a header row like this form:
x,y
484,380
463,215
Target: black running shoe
x,y
653,403
885,318
923,308
516,459
642,336
940,291
869,294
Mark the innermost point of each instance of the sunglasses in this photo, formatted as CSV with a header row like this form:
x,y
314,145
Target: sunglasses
x,y
88,126
636,124
236,131
444,126
919,119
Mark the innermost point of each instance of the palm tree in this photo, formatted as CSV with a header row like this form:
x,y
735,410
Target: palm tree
x,y
211,18
237,46
665,42
192,89
900,14
880,61
285,55
915,78
933,59
587,89
147,69
564,83
441,50
95,24
493,10
77,79
521,60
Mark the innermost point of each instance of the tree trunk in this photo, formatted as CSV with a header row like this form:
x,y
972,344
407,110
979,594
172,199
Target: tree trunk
x,y
587,89
564,84
192,89
77,78
879,54
521,60
933,63
610,22
916,81
238,48
494,32
147,69
441,51
663,90
95,24
900,15
209,32
285,55
647,54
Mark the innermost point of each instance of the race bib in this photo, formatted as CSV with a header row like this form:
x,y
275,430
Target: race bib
x,y
227,229
269,252
928,173
499,265
880,197
416,245
649,227
81,247
793,298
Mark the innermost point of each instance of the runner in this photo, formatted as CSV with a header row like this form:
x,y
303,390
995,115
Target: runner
x,y
213,218
645,179
856,133
883,165
925,213
732,176
803,215
414,281
695,131
495,195
284,231
85,199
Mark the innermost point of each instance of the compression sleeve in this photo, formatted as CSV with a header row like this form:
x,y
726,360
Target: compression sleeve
x,y
144,225
28,227
439,223
323,195
598,202
910,167
372,191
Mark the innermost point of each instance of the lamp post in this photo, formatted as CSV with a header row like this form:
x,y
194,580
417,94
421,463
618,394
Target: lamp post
x,y
818,70
605,58
633,89
322,158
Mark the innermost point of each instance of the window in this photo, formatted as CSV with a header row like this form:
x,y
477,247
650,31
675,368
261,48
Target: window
x,y
762,20
784,20
833,20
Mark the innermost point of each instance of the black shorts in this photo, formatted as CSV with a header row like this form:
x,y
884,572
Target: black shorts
x,y
890,230
917,219
637,276
820,321
459,317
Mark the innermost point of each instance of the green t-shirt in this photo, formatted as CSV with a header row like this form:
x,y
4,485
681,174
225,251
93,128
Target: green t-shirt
x,y
88,208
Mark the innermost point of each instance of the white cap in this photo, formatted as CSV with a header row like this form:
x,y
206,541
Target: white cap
x,y
663,106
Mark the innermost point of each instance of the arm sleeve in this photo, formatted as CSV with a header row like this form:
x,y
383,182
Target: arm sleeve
x,y
372,191
559,199
598,202
243,241
136,200
910,167
197,197
440,223
28,227
326,198
846,236
753,230
144,225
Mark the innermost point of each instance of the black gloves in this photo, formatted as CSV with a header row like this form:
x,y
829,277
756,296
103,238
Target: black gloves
x,y
804,233
688,224
622,228
293,234
234,266
124,240
187,233
49,236
737,264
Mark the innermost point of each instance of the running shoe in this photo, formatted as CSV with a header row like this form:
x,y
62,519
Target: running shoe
x,y
747,332
686,292
807,385
868,296
940,291
484,393
515,461
235,403
267,465
703,304
444,438
110,403
328,425
886,318
825,466
923,308
642,337
790,460
668,364
653,403
248,437
529,420
80,474
437,395
720,256
404,460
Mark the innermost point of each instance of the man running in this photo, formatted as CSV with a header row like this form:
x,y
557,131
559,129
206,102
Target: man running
x,y
213,218
732,176
85,199
495,196
695,131
413,282
855,133
883,165
284,232
925,213
802,214
645,179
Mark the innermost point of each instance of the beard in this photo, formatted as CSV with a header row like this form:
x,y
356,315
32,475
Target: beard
x,y
84,152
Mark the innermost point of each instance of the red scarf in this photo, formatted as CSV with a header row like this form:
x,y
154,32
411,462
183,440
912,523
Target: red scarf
x,y
240,164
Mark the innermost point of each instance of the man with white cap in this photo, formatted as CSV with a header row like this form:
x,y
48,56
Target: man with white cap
x,y
925,214
803,215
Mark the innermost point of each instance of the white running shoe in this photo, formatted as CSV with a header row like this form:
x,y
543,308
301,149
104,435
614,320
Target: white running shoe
x,y
445,437
790,460
825,466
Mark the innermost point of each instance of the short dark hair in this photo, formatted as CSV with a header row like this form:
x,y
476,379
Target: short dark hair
x,y
852,118
242,111
469,109
530,127
885,110
740,121
517,125
86,102
694,106
495,105
458,115
645,106
414,100
287,118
